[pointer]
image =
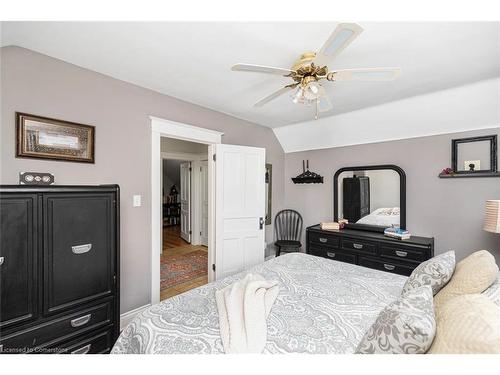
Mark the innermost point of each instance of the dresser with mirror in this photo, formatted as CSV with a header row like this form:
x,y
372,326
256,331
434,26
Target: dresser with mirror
x,y
371,199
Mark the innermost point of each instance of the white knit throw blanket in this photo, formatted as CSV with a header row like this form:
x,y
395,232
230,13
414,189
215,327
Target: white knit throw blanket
x,y
243,310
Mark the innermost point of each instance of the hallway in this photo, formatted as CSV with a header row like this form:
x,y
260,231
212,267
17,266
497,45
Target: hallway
x,y
183,266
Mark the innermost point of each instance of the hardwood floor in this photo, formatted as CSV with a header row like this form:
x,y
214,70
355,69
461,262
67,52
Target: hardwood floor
x,y
173,244
172,237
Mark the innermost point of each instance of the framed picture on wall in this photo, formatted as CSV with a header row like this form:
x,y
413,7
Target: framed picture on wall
x,y
48,138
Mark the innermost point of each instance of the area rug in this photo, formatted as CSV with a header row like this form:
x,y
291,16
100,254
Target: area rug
x,y
178,269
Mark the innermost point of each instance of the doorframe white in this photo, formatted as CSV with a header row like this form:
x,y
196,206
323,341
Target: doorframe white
x,y
171,129
199,200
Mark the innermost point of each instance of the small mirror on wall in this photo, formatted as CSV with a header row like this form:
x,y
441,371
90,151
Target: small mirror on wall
x,y
474,155
269,191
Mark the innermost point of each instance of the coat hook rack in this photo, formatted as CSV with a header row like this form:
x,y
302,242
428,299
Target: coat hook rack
x,y
307,177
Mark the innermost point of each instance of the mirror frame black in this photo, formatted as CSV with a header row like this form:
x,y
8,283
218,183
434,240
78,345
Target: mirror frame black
x,y
402,195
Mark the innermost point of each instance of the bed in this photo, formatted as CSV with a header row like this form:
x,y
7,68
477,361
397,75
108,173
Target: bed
x,y
385,217
324,306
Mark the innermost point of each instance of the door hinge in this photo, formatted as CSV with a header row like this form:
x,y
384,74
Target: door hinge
x,y
200,233
190,169
213,157
213,267
190,232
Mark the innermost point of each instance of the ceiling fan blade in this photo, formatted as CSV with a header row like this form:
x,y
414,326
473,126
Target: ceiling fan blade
x,y
324,104
261,69
367,74
274,95
341,37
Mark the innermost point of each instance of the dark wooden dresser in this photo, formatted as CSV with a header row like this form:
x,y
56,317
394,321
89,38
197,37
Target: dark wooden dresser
x,y
59,269
370,249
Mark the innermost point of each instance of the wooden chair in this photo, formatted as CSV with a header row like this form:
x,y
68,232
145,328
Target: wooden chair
x,y
288,229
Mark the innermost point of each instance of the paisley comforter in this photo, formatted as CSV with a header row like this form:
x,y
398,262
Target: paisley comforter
x,y
324,306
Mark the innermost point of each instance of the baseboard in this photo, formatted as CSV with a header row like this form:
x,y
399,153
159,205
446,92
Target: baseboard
x,y
127,317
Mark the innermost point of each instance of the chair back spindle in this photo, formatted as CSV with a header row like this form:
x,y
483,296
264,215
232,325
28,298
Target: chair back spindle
x,y
288,225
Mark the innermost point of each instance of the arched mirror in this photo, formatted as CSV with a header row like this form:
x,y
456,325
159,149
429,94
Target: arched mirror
x,y
370,197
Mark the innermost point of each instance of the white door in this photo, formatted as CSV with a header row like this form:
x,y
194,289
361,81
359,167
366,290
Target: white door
x,y
204,203
186,201
239,208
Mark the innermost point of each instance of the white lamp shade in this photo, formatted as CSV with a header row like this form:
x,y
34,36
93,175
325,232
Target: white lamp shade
x,y
492,216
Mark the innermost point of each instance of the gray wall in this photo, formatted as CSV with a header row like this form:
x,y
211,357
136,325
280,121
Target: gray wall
x,y
38,84
451,210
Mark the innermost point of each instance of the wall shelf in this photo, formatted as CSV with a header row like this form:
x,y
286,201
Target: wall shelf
x,y
466,175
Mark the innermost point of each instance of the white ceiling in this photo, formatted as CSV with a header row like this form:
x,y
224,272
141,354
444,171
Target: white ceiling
x,y
192,61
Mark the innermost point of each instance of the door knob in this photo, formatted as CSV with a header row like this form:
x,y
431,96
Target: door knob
x,y
1,260
261,223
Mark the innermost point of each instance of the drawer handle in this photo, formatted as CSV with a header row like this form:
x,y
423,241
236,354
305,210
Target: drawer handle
x,y
389,267
357,245
1,260
83,350
81,249
331,255
400,253
78,322
323,240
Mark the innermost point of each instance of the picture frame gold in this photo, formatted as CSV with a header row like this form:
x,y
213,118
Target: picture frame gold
x,y
48,138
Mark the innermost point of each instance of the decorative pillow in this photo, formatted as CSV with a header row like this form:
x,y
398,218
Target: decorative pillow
x,y
406,326
468,324
493,292
473,274
435,272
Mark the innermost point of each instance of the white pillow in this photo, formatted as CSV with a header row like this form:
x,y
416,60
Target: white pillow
x,y
468,324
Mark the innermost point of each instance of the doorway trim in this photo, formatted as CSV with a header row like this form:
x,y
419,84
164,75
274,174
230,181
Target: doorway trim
x,y
171,129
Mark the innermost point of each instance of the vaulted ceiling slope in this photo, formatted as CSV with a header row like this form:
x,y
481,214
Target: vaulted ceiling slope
x,y
192,61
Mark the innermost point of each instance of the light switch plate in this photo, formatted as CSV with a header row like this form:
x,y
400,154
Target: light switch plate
x,y
137,201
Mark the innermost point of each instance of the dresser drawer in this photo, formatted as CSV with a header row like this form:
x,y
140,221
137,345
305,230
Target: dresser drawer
x,y
96,343
332,254
403,252
388,266
324,239
62,328
359,245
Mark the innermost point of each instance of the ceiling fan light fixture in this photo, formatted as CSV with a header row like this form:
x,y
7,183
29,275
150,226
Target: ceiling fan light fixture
x,y
307,94
314,88
312,68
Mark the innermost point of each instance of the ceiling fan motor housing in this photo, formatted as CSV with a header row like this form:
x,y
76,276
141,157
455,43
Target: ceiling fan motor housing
x,y
304,60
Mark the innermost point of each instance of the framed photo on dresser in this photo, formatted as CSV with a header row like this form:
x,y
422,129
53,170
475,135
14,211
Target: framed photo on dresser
x,y
48,138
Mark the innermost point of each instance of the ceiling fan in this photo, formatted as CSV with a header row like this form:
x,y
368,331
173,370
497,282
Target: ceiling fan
x,y
311,68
